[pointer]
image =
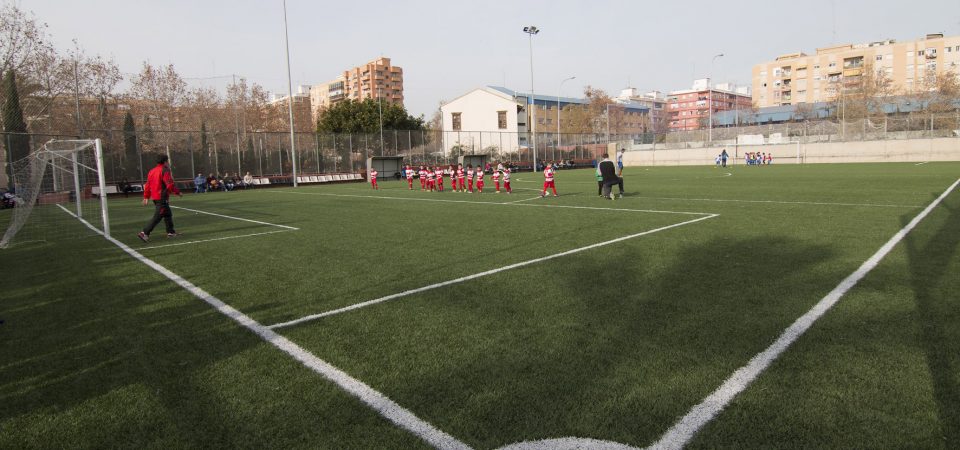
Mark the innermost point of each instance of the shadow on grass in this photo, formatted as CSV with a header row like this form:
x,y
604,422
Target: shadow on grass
x,y
69,342
611,345
935,291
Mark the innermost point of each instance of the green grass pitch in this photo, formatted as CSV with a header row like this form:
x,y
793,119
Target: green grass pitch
x,y
539,318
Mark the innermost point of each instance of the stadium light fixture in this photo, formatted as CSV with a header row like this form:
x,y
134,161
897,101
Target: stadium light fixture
x,y
532,30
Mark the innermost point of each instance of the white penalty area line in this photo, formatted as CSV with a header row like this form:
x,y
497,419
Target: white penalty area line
x,y
213,239
683,431
384,197
235,218
366,394
481,274
783,202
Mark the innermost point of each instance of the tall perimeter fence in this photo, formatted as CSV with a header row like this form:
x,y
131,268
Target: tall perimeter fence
x,y
270,154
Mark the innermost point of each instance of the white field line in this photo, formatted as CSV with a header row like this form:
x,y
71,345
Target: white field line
x,y
921,163
874,205
212,240
684,430
235,218
374,399
481,274
281,191
524,200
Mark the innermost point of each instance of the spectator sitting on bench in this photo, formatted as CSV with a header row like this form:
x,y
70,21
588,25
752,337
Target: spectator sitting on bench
x,y
247,180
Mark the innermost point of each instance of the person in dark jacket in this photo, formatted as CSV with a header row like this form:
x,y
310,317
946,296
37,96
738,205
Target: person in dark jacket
x,y
158,188
608,172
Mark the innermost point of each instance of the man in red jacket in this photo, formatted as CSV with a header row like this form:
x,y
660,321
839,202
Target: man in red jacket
x,y
158,188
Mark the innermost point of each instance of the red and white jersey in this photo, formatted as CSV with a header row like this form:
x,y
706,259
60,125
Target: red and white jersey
x,y
548,174
479,176
469,174
429,174
506,175
460,173
409,174
422,173
439,174
495,176
373,175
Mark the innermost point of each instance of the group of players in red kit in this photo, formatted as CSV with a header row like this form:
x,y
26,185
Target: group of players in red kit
x,y
464,180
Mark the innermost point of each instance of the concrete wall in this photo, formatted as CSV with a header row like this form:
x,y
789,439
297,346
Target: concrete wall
x,y
906,150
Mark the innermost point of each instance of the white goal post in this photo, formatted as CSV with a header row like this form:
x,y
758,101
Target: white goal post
x,y
785,149
61,177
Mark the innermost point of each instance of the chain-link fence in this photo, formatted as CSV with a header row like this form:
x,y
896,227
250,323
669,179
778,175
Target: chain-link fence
x,y
911,126
128,157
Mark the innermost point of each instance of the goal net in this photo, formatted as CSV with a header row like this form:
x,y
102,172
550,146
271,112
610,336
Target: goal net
x,y
52,188
751,147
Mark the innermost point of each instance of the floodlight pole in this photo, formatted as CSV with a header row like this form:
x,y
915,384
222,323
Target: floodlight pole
x,y
710,98
559,91
380,110
293,149
532,30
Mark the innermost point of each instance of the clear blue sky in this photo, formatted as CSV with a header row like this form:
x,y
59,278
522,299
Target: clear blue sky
x,y
449,47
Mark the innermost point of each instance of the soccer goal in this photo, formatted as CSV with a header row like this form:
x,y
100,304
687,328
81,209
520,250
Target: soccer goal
x,y
63,178
782,150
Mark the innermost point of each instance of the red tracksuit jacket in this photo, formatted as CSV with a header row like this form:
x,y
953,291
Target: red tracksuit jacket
x,y
159,184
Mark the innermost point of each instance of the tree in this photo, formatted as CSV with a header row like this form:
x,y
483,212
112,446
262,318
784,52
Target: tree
x,y
131,158
351,116
16,140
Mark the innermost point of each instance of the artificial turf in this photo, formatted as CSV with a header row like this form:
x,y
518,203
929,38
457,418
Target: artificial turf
x,y
612,343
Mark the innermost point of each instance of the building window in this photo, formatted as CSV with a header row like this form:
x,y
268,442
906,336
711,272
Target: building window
x,y
878,58
502,120
456,121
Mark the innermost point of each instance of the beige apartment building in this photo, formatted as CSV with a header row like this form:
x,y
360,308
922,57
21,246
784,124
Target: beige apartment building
x,y
375,79
801,78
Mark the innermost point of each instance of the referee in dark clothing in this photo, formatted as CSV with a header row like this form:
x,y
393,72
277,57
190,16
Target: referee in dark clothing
x,y
608,171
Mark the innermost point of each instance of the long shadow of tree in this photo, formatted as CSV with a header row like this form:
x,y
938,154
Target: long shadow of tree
x,y
933,265
610,345
97,351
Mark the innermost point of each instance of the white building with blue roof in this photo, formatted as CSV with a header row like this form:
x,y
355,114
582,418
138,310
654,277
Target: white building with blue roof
x,y
497,120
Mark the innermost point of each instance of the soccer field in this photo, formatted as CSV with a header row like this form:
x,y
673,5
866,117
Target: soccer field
x,y
336,316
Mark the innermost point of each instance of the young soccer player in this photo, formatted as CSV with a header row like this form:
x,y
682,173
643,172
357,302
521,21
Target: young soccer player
x,y
470,178
431,178
479,175
506,180
409,177
548,181
438,174
453,178
423,178
373,178
460,176
496,179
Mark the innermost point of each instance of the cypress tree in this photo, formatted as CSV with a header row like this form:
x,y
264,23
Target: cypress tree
x,y
130,154
16,141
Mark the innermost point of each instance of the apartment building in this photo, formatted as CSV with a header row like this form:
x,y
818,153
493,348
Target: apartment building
x,y
801,78
691,109
375,79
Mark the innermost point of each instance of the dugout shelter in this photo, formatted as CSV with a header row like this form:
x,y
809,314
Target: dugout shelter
x,y
387,166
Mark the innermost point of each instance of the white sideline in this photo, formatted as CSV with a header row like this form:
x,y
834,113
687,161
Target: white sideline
x,y
213,239
373,398
683,431
234,218
921,163
281,191
479,275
